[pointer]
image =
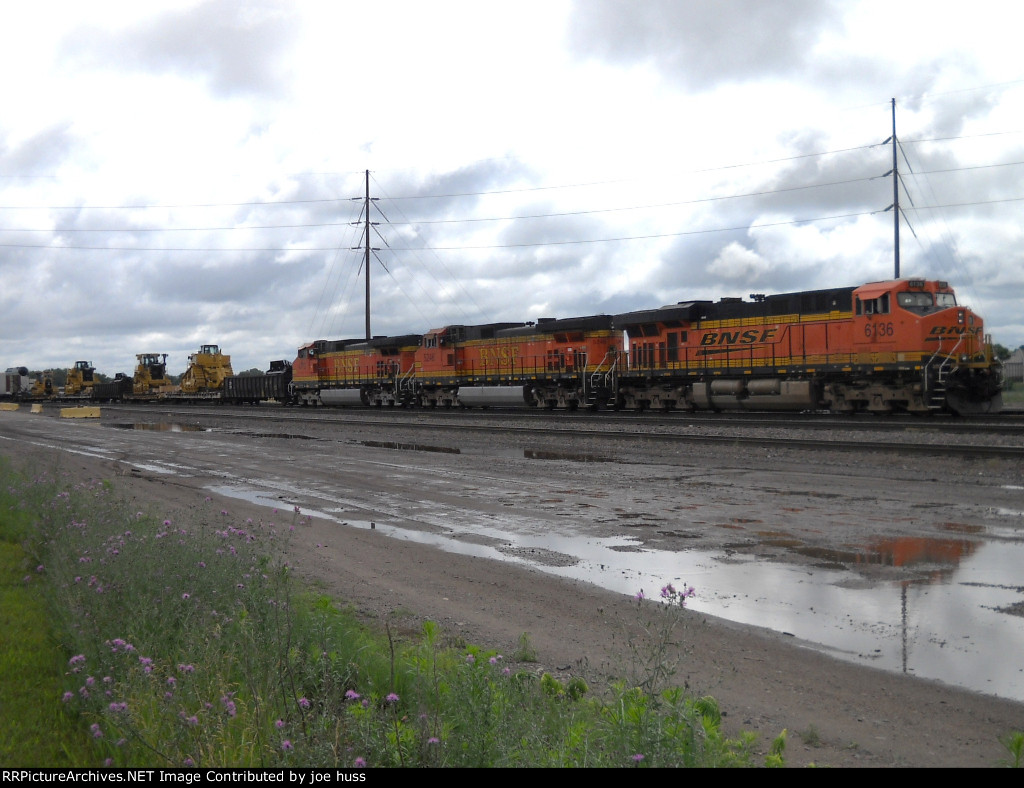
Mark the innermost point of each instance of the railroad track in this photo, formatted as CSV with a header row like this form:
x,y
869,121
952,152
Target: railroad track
x,y
682,430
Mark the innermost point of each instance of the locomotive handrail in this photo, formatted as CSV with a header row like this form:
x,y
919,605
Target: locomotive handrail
x,y
404,380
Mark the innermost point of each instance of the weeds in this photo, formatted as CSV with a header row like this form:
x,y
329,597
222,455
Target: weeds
x,y
183,641
1014,744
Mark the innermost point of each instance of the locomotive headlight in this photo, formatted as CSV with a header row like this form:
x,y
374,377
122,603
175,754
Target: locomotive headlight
x,y
964,357
960,317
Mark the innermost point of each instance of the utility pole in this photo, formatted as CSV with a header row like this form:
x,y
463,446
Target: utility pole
x,y
895,196
366,259
366,248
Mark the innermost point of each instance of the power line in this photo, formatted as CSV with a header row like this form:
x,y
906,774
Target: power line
x,y
300,249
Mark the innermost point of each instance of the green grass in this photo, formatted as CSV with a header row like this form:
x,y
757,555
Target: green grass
x,y
1013,395
35,730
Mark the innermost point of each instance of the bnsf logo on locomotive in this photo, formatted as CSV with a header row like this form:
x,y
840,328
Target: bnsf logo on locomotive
x,y
749,337
346,365
955,330
497,355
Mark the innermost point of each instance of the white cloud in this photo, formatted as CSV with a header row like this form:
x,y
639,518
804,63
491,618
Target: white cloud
x,y
178,174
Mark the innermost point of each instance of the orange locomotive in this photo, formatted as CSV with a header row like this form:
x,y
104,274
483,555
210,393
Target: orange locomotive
x,y
377,371
554,363
902,344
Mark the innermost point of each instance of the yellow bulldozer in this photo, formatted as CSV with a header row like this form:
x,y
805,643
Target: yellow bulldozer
x,y
206,371
80,380
151,374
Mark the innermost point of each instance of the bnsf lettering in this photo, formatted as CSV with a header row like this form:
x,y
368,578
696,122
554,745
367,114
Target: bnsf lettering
x,y
953,330
749,337
498,355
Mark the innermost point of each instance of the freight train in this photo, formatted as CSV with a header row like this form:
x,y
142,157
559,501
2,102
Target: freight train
x,y
897,345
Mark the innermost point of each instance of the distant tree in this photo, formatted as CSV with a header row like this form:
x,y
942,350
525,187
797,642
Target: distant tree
x,y
251,372
1002,352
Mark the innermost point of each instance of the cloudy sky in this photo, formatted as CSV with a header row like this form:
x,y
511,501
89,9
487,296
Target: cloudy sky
x,y
180,173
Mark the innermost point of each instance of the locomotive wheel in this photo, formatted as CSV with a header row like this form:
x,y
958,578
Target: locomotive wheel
x,y
961,406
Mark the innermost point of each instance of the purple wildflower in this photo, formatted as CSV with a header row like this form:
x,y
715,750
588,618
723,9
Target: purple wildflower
x,y
351,695
286,745
391,697
303,703
359,763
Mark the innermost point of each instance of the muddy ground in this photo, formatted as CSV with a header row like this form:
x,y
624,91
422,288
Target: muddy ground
x,y
836,713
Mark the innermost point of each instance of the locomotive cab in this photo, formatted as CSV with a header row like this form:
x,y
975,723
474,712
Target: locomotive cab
x,y
914,329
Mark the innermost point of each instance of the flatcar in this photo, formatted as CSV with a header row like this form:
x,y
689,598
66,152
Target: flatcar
x,y
896,345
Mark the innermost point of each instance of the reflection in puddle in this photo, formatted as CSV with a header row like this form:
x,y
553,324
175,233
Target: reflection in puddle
x,y
158,427
956,624
918,551
409,446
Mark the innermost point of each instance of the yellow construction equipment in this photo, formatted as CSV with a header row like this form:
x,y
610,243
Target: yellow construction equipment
x,y
206,371
80,380
151,374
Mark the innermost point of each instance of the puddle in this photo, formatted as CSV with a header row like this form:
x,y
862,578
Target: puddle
x,y
158,427
409,446
956,624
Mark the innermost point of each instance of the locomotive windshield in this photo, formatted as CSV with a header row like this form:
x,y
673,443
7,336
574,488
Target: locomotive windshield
x,y
915,300
919,301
